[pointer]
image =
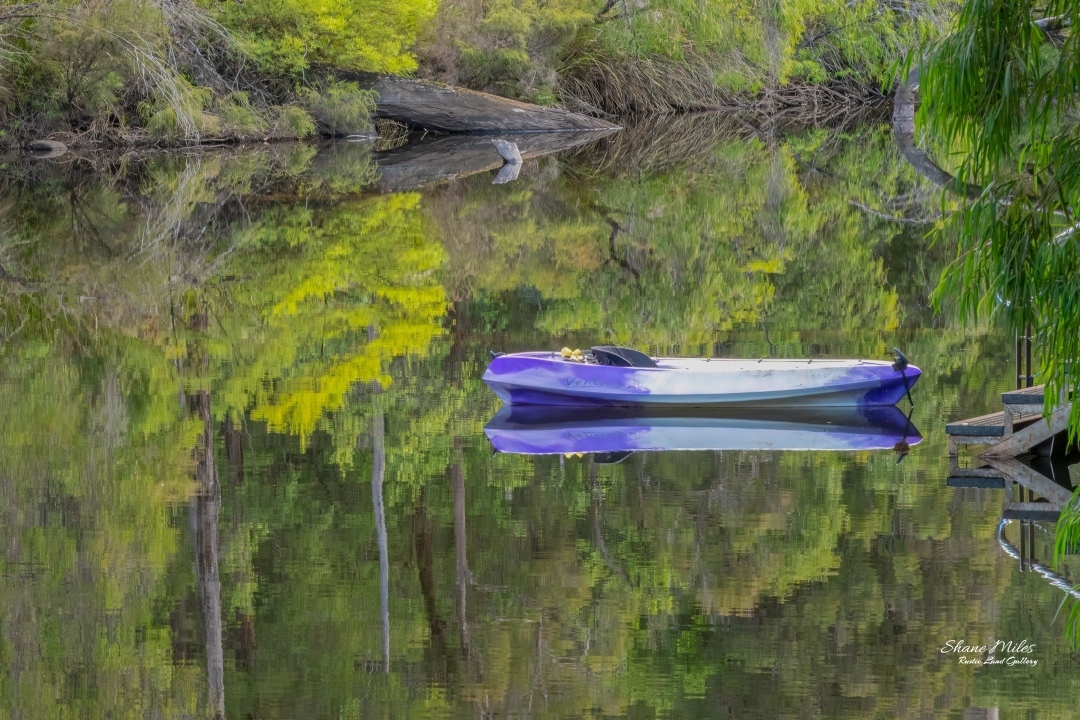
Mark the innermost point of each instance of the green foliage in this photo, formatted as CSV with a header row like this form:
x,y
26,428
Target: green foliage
x,y
289,36
109,67
638,56
859,43
509,47
88,63
297,122
341,107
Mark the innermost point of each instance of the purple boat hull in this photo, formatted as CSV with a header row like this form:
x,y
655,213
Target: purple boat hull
x,y
544,378
536,430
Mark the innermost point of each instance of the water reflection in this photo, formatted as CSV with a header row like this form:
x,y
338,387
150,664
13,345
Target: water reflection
x,y
539,430
365,554
1033,494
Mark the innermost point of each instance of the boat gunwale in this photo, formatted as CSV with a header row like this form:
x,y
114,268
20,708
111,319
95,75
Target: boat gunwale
x,y
664,363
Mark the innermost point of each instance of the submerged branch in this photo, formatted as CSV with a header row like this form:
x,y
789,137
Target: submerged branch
x,y
892,218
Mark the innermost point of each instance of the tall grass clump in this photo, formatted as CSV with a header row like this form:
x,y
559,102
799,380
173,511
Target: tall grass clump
x,y
84,66
180,71
676,55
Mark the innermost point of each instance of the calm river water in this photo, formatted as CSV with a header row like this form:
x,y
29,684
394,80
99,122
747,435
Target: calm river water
x,y
245,469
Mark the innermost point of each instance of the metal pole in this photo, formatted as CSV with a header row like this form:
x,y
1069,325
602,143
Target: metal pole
x,y
1019,363
1027,341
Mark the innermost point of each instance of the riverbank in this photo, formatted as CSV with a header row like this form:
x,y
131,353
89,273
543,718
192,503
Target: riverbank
x,y
658,56
130,72
184,72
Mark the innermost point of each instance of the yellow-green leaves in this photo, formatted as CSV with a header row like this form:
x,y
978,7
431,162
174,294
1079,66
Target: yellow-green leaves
x,y
354,280
290,36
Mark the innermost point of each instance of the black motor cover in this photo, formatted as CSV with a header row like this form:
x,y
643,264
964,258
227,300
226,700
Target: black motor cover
x,y
621,357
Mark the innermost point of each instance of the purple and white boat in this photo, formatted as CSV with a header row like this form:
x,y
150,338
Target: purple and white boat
x,y
538,430
612,376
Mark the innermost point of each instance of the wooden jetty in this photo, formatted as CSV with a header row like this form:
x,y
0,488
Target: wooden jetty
x,y
1019,428
1037,489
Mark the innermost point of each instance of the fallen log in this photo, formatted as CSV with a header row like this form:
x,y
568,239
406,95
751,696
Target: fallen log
x,y
433,106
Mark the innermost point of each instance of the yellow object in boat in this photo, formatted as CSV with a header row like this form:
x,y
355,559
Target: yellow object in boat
x,y
573,355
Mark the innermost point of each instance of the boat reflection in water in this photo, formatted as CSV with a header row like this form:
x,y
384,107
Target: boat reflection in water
x,y
542,430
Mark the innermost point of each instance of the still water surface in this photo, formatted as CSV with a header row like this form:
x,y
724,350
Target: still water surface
x,y
245,469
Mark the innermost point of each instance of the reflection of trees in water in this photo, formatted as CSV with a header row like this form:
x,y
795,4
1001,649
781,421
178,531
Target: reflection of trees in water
x,y
463,577
582,590
378,472
205,508
677,254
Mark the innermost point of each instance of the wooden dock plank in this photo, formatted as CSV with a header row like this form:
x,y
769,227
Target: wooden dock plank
x,y
956,471
1034,515
1024,396
992,425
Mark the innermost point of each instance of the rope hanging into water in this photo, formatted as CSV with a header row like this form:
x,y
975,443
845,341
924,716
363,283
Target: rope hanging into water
x,y
1052,577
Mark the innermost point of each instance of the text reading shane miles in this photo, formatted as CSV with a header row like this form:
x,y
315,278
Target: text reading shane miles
x,y
997,652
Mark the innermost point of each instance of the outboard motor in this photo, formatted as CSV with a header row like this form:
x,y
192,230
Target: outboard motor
x,y
900,364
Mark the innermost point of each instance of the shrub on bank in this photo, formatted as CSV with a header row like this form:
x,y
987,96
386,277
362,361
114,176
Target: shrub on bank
x,y
289,36
184,70
509,47
652,55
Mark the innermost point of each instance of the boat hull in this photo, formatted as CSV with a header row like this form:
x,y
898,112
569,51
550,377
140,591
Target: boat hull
x,y
547,379
536,430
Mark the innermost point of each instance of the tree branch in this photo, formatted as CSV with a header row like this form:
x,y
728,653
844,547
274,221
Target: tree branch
x,y
893,218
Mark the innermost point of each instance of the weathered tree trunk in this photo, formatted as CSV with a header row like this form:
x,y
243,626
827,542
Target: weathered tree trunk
x,y
204,511
423,546
434,106
904,132
234,453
